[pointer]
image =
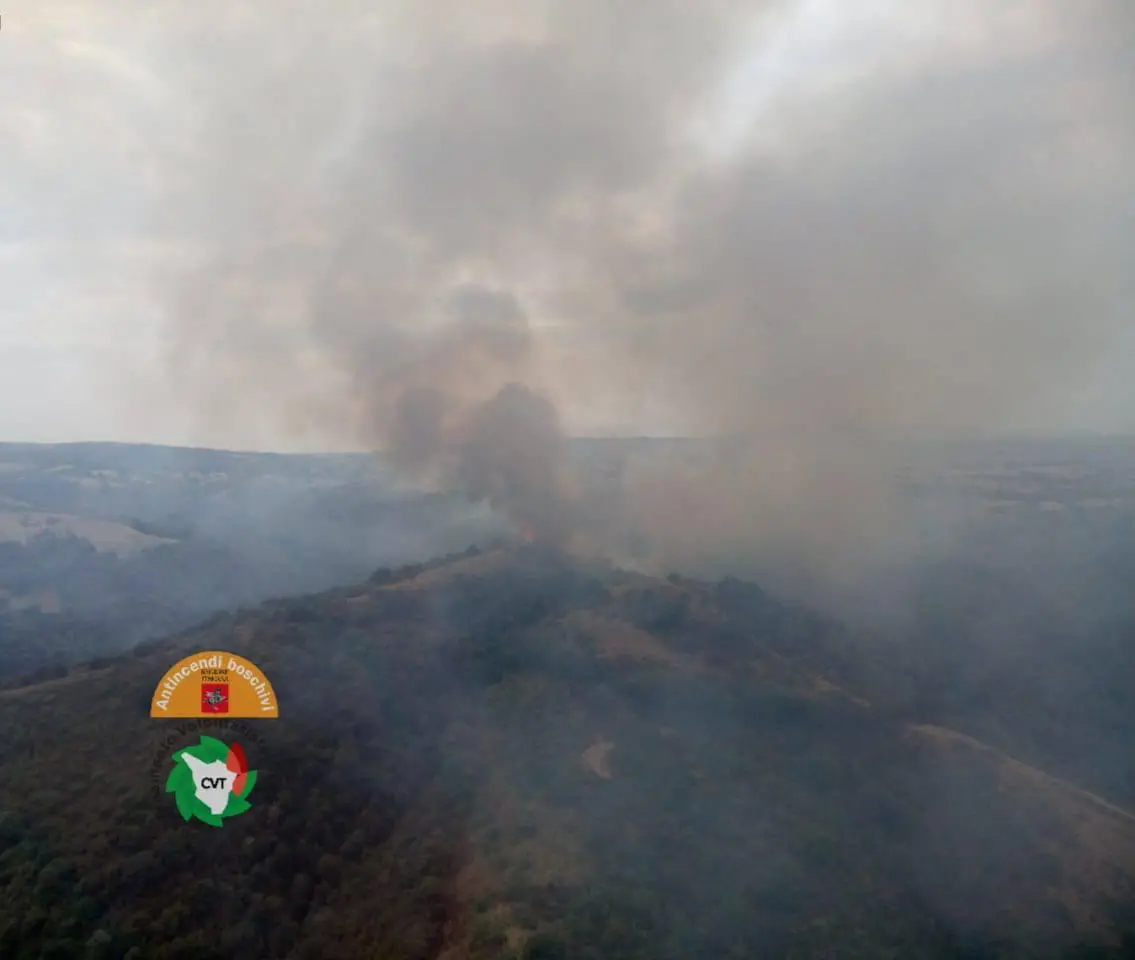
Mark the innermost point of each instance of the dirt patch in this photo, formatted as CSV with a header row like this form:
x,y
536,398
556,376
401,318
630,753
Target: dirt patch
x,y
619,640
820,685
105,535
595,757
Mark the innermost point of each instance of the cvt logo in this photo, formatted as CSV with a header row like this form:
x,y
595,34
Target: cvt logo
x,y
211,781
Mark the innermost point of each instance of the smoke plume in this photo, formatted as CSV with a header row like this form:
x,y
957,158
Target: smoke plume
x,y
457,233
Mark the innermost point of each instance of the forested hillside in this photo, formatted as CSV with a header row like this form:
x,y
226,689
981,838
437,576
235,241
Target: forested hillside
x,y
520,754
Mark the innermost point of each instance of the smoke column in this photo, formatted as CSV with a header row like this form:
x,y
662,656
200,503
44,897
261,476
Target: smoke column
x,y
457,233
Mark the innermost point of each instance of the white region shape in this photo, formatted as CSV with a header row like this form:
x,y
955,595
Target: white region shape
x,y
215,796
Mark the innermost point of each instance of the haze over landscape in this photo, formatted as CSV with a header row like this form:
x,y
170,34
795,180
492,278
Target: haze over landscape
x,y
666,418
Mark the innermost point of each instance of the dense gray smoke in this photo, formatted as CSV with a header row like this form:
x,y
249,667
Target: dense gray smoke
x,y
457,232
513,455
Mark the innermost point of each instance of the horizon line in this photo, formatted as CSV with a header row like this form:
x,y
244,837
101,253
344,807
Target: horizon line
x,y
1008,437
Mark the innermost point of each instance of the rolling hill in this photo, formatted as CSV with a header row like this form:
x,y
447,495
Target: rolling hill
x,y
103,545
518,753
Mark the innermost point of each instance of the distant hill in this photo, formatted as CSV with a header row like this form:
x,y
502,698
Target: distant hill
x,y
104,545
521,754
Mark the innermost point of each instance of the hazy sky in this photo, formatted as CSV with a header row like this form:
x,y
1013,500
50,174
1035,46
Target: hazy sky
x,y
109,120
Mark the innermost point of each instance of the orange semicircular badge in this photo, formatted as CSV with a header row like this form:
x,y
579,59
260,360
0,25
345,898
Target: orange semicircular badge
x,y
214,683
